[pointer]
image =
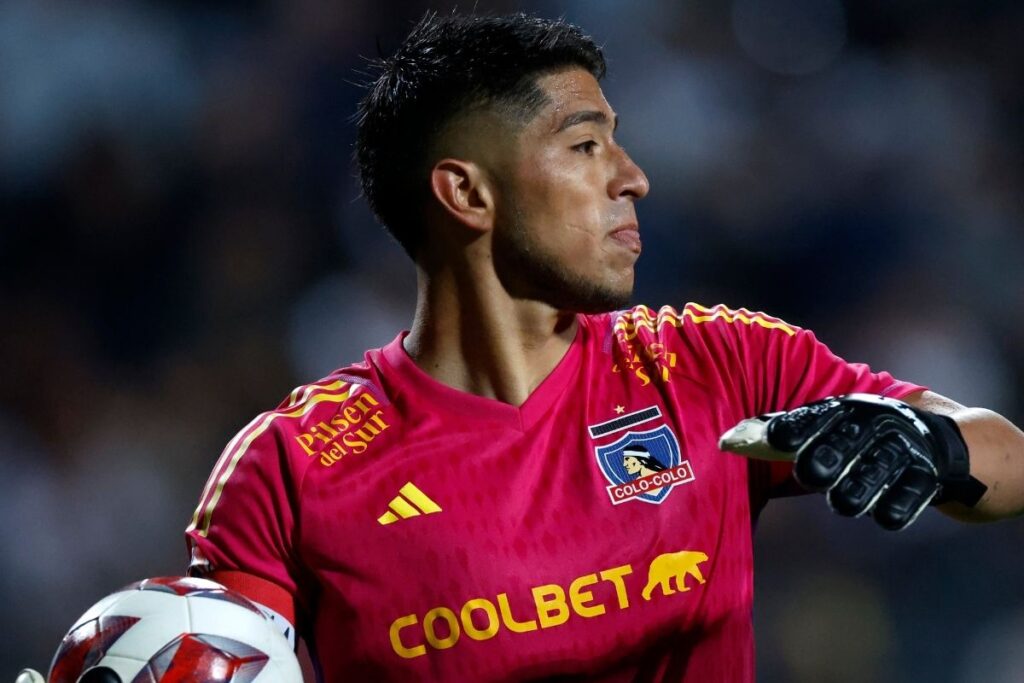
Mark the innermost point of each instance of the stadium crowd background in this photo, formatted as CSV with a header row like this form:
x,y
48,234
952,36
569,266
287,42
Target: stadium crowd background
x,y
182,242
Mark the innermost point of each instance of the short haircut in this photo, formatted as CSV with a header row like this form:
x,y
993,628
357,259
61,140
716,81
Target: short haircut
x,y
449,65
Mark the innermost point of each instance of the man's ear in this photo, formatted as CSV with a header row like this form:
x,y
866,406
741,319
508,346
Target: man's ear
x,y
464,192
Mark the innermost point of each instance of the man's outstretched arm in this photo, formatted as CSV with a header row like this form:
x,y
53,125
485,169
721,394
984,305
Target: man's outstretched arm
x,y
890,459
996,448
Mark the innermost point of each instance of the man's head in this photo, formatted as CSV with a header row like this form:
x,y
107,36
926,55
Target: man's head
x,y
636,457
496,126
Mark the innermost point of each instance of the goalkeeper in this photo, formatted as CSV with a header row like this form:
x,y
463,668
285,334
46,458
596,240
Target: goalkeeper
x,y
468,502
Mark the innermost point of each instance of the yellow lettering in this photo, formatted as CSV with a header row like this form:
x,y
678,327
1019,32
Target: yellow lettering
x,y
353,415
551,607
336,452
642,376
396,638
431,633
510,621
317,435
554,605
379,421
355,444
340,422
368,433
470,628
326,460
579,597
305,440
327,428
615,575
365,401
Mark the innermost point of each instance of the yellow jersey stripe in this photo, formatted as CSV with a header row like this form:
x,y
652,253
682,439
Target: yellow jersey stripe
x,y
404,509
268,419
304,389
642,317
419,498
730,316
217,466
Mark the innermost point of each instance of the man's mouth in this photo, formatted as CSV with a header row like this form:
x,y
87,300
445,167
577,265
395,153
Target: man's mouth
x,y
628,236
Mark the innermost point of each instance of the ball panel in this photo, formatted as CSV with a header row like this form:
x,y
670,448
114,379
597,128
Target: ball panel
x,y
226,596
86,645
177,630
178,585
208,659
281,668
229,620
97,609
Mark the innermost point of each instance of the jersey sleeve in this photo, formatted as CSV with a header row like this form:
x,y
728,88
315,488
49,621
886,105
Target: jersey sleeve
x,y
794,369
246,519
761,364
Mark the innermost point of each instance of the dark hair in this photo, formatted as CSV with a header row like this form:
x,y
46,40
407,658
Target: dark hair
x,y
446,66
648,461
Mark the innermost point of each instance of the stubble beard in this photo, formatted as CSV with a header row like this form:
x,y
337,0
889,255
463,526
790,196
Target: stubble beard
x,y
529,272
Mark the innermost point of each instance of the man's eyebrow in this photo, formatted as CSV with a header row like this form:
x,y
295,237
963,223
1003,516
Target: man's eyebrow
x,y
585,116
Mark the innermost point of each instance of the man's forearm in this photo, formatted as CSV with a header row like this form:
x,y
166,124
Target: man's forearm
x,y
996,449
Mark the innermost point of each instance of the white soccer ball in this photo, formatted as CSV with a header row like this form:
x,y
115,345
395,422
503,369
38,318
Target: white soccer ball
x,y
174,629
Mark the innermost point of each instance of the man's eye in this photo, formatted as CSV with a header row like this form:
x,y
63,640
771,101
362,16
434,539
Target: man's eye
x,y
586,147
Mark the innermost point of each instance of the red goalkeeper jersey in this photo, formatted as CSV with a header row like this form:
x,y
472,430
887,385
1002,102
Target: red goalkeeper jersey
x,y
596,531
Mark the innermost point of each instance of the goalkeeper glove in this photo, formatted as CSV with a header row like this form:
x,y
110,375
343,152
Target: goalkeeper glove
x,y
869,454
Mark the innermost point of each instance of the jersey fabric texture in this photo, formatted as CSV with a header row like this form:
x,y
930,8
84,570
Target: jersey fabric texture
x,y
594,532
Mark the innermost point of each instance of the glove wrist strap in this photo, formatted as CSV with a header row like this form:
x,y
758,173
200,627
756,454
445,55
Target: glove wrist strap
x,y
957,482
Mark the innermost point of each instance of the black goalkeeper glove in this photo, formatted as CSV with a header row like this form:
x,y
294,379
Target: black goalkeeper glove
x,y
870,454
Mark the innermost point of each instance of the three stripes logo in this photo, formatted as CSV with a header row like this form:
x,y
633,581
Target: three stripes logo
x,y
410,502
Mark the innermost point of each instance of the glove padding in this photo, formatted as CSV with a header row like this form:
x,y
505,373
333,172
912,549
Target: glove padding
x,y
867,453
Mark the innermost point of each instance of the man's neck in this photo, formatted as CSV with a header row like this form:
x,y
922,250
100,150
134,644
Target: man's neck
x,y
470,334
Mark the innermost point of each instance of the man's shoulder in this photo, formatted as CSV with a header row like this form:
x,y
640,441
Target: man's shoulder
x,y
315,413
692,318
339,386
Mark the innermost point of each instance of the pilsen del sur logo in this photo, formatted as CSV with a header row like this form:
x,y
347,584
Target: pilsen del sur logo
x,y
640,464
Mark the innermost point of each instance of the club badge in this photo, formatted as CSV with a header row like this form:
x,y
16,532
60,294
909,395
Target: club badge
x,y
640,465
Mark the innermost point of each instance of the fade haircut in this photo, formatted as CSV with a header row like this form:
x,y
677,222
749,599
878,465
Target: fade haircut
x,y
449,65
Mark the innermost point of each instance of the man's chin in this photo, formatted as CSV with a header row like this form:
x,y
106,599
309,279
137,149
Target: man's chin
x,y
590,300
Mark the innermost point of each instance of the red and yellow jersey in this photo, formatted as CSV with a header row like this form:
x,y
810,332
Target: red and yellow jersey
x,y
595,531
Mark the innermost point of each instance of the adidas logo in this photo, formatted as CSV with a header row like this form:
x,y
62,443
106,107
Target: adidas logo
x,y
410,502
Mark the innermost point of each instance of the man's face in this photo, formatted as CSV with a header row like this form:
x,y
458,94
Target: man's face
x,y
631,464
566,230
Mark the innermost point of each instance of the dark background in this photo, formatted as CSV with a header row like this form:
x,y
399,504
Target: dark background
x,y
182,242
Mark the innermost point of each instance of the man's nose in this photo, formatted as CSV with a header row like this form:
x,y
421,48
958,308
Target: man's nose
x,y
630,180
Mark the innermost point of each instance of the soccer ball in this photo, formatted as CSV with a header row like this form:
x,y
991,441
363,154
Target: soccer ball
x,y
174,629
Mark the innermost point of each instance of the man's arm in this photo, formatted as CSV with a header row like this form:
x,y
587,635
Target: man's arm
x,y
892,458
996,449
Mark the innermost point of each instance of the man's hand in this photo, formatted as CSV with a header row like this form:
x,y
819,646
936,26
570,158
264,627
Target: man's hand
x,y
870,454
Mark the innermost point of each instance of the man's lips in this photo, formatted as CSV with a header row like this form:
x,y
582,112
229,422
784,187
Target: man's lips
x,y
628,236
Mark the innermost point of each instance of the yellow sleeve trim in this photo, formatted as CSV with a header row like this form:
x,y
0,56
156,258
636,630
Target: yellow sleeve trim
x,y
644,318
235,451
730,316
299,395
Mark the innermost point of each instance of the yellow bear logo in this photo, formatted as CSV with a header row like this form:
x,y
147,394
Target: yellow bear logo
x,y
676,566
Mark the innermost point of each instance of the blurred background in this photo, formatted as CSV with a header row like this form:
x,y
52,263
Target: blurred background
x,y
182,242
